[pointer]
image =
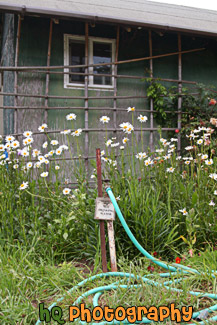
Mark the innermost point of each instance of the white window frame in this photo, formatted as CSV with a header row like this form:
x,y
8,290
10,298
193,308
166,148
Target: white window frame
x,y
91,85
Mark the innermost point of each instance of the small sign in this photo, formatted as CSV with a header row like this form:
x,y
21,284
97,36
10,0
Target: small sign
x,y
104,209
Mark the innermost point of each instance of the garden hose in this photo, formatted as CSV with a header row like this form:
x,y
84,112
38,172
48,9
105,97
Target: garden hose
x,y
173,270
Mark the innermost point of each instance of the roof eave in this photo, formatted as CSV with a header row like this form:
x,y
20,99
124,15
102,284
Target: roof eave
x,y
23,10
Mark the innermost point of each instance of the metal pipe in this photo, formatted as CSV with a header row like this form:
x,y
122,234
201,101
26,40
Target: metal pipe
x,y
101,130
115,79
86,123
108,75
89,108
101,222
151,140
179,125
16,74
83,97
47,74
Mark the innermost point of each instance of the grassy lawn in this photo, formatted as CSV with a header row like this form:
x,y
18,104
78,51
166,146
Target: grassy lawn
x,y
28,279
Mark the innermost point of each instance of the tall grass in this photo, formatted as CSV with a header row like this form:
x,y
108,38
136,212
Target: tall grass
x,y
168,200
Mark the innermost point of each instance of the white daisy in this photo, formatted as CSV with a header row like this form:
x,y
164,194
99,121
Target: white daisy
x,y
7,145
23,186
66,191
215,192
58,151
108,143
200,141
183,211
66,132
35,153
24,153
213,176
45,144
37,164
29,165
50,153
209,162
9,138
131,109
15,144
54,142
188,148
64,147
125,140
115,144
15,166
41,159
148,162
159,150
44,174
57,167
42,127
2,147
170,170
124,125
142,118
71,117
29,140
187,158
139,156
77,132
104,119
129,129
211,203
27,134
204,157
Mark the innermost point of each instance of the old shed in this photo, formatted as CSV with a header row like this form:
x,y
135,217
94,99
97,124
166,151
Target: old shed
x,y
93,58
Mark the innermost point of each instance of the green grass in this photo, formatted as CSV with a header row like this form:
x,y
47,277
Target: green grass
x,y
28,279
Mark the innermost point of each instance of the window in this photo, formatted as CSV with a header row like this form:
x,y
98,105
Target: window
x,y
100,51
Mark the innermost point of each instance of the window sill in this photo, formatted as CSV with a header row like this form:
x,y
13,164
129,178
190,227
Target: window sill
x,y
92,87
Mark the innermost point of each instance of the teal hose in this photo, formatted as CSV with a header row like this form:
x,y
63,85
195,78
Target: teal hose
x,y
173,270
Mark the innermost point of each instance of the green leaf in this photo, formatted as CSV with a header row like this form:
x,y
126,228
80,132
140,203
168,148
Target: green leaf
x,y
194,199
65,235
184,239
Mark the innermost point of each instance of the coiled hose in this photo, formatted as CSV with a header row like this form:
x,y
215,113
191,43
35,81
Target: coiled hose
x,y
173,269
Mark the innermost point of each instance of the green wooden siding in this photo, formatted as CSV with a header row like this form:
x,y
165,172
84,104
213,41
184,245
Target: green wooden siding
x,y
199,67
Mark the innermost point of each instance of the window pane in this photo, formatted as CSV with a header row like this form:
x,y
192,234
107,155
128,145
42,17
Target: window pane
x,y
76,57
102,53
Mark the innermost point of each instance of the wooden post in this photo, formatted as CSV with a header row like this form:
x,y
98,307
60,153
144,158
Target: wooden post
x,y
179,91
16,74
112,251
101,222
151,100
